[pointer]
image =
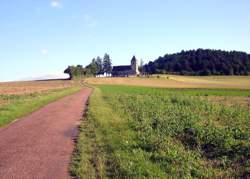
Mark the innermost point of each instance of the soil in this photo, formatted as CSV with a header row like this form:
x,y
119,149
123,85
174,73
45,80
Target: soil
x,y
40,145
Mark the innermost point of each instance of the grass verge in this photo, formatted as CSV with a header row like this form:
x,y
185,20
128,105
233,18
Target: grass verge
x,y
21,105
93,155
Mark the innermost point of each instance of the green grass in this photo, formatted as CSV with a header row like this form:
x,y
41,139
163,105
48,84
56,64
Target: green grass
x,y
21,105
178,91
139,132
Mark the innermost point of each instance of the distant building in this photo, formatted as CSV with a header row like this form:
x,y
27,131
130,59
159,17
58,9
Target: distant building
x,y
103,75
128,70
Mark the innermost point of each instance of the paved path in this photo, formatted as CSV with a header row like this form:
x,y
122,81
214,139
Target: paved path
x,y
40,145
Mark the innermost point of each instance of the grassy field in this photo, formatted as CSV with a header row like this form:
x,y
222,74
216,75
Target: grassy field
x,y
142,132
21,98
172,81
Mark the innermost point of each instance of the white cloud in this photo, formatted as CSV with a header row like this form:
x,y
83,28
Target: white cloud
x,y
44,51
56,4
89,21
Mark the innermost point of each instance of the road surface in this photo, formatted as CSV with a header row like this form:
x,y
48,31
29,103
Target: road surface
x,y
40,145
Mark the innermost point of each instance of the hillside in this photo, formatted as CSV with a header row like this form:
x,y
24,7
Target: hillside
x,y
201,62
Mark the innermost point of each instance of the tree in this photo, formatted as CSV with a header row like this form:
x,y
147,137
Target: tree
x,y
69,72
92,68
99,63
202,62
75,71
96,66
107,64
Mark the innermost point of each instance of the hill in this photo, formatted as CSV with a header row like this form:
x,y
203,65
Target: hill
x,y
201,62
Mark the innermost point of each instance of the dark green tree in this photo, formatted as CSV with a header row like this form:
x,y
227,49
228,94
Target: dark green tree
x,y
107,64
92,68
202,62
69,72
99,63
75,71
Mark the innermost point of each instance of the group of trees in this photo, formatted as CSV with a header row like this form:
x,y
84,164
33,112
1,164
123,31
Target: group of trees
x,y
201,62
97,66
192,62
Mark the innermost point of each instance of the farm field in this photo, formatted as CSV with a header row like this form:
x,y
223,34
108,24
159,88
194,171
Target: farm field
x,y
28,87
21,98
174,81
136,132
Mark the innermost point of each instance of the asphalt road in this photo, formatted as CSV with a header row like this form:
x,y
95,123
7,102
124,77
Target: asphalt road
x,y
40,145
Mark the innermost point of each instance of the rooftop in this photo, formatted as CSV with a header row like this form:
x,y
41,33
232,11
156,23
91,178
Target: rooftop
x,y
122,68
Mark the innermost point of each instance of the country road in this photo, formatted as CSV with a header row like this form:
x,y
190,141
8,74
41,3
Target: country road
x,y
40,145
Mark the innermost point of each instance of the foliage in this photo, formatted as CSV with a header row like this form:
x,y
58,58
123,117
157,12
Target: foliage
x,y
107,64
97,66
201,62
99,63
139,132
75,71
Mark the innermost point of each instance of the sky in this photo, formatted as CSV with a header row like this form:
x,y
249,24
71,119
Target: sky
x,y
42,37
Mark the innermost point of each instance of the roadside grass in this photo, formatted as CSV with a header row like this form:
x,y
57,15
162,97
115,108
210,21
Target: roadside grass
x,y
20,105
93,157
138,132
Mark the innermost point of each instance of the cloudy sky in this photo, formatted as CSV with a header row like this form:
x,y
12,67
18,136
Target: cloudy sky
x,y
43,37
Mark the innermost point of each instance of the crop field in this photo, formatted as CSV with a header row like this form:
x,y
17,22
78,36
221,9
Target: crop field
x,y
21,98
136,132
174,81
33,86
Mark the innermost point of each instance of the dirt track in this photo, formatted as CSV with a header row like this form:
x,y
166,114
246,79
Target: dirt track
x,y
40,145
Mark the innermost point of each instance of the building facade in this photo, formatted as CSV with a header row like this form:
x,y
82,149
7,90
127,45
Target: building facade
x,y
127,70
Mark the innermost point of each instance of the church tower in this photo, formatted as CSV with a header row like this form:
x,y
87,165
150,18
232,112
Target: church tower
x,y
135,66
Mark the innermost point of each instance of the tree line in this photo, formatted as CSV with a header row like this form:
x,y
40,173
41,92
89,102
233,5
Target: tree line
x,y
193,62
97,66
201,62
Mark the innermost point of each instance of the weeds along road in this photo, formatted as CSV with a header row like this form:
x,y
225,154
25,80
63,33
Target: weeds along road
x,y
40,145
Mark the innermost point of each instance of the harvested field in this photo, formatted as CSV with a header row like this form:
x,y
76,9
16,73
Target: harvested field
x,y
173,81
33,86
240,82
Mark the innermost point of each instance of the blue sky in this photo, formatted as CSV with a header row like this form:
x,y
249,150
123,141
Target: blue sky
x,y
41,37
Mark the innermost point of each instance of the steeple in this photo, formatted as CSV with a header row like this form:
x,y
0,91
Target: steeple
x,y
135,66
133,60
